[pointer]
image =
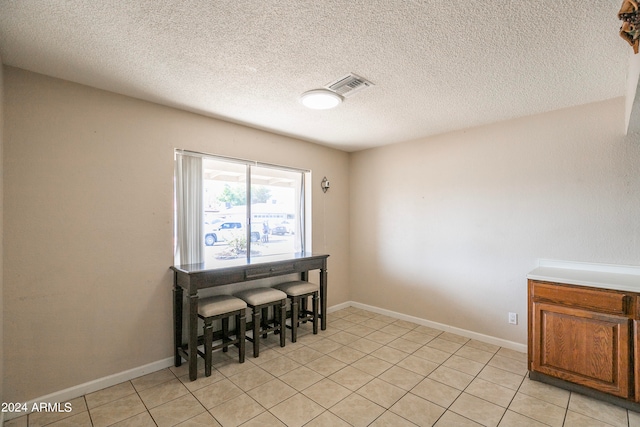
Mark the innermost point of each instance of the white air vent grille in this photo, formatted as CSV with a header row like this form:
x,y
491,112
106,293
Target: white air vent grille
x,y
349,85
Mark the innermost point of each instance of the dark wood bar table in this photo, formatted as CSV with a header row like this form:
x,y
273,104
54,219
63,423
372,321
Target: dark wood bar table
x,y
193,277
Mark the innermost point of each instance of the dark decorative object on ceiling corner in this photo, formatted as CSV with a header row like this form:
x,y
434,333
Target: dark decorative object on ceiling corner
x,y
630,29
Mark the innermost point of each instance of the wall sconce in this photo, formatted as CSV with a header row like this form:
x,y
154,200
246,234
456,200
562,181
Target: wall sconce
x,y
324,184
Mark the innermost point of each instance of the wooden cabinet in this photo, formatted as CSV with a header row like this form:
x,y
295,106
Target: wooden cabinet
x,y
585,336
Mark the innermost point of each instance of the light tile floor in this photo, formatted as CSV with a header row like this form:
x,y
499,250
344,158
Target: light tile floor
x,y
365,369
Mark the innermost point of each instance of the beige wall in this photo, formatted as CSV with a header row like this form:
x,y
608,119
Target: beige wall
x,y
88,226
446,228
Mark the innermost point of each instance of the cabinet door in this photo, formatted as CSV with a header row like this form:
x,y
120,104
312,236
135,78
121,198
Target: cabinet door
x,y
581,346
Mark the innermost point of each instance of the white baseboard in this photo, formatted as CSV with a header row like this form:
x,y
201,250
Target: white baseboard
x,y
95,385
108,381
465,333
339,306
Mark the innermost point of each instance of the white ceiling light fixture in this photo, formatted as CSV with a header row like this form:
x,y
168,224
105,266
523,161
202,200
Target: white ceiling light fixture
x,y
320,99
334,93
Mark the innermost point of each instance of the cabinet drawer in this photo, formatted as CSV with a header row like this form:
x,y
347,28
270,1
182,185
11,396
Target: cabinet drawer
x,y
606,301
270,270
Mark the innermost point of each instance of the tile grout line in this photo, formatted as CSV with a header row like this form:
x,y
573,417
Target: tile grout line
x,y
440,364
405,354
494,354
427,376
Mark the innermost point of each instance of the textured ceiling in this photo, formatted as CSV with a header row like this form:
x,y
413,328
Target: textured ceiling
x,y
437,66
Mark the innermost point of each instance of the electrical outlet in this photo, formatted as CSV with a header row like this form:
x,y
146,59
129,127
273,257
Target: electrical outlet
x,y
513,318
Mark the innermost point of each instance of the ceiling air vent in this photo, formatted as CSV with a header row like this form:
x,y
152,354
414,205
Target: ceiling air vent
x,y
349,85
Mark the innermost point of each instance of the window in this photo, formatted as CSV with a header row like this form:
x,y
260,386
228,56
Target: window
x,y
232,209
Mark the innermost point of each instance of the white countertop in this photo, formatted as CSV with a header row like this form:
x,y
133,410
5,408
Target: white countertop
x,y
605,276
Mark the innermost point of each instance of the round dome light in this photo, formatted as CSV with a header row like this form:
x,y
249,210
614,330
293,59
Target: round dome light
x,y
320,99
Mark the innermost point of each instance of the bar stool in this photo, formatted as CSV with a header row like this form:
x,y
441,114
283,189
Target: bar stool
x,y
298,291
222,307
259,300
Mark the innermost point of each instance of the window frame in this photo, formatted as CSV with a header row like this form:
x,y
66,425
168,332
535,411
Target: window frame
x,y
305,200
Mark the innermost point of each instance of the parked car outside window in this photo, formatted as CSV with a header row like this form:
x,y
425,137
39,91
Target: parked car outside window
x,y
229,230
283,228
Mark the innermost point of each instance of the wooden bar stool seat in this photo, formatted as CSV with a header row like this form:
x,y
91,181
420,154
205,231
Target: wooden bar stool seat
x,y
298,291
222,307
259,300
